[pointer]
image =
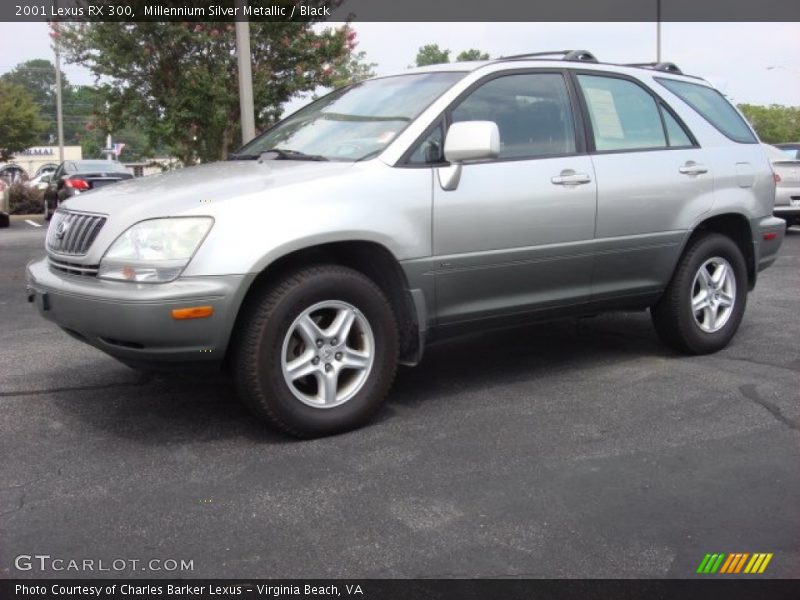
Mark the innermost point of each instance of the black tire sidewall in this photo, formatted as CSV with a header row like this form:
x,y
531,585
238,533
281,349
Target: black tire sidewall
x,y
341,285
699,341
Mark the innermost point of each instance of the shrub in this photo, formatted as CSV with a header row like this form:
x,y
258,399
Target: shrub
x,y
25,201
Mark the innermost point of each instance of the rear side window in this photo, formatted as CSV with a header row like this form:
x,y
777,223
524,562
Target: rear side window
x,y
713,107
623,115
678,138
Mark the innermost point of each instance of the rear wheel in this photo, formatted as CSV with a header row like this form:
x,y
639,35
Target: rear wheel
x,y
704,303
317,352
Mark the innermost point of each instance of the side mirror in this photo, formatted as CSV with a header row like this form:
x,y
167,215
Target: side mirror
x,y
472,140
467,140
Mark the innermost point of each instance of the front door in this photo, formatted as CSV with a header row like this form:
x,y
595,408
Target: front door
x,y
514,235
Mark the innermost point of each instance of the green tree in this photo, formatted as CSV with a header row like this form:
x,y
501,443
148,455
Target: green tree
x,y
431,54
352,71
472,54
178,81
79,103
38,77
20,124
775,123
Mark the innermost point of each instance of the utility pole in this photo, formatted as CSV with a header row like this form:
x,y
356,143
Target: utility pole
x,y
59,114
245,74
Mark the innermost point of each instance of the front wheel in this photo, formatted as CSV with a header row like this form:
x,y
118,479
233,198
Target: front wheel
x,y
317,351
704,303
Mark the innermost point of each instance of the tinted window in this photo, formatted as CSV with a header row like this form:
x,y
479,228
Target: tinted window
x,y
623,115
532,112
713,107
675,132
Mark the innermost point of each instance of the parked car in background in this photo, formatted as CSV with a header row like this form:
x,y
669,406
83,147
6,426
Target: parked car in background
x,y
73,177
46,168
791,149
410,208
40,182
787,183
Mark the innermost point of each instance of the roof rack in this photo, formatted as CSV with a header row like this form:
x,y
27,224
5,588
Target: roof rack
x,y
666,67
571,55
586,56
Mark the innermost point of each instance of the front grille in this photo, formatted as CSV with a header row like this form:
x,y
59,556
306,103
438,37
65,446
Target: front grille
x,y
73,233
72,268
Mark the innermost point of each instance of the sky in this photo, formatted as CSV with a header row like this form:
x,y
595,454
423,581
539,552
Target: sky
x,y
735,57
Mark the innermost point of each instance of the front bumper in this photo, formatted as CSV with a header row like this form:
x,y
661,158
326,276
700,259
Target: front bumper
x,y
133,322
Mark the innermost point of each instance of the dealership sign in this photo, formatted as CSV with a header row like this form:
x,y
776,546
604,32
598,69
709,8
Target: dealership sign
x,y
43,151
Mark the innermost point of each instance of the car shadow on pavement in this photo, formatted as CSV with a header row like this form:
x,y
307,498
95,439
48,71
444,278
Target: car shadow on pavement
x,y
523,354
162,409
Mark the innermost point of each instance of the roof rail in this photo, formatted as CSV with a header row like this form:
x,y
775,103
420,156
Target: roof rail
x,y
667,67
571,55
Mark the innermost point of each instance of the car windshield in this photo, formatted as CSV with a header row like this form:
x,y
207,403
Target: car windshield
x,y
353,123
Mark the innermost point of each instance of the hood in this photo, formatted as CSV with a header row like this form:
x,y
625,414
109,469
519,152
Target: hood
x,y
187,190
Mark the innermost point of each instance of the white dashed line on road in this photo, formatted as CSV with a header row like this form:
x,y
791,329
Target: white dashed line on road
x,y
32,223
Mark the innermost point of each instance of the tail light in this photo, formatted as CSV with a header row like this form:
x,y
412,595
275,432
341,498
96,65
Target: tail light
x,y
77,184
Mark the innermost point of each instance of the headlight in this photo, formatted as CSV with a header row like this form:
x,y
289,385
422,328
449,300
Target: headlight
x,y
154,251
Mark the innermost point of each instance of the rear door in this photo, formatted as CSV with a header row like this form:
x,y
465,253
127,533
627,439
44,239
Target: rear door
x,y
653,181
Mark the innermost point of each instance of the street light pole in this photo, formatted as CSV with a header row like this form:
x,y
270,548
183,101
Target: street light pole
x,y
658,30
245,75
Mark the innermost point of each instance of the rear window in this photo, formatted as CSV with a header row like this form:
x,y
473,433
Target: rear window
x,y
713,107
103,166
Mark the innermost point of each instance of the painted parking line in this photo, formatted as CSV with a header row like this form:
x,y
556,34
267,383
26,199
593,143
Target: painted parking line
x,y
32,223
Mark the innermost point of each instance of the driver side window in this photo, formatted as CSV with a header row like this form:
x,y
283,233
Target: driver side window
x,y
532,111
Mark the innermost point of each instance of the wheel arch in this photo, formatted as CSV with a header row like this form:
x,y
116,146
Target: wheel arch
x,y
372,259
735,226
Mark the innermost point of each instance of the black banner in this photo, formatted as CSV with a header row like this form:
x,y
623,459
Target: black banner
x,y
397,11
404,589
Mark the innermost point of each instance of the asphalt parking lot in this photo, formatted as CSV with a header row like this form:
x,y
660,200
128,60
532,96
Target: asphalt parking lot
x,y
568,449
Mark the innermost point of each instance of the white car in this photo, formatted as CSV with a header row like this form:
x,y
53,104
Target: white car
x,y
40,182
787,184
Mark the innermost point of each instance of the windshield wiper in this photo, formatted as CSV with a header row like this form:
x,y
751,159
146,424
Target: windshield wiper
x,y
277,154
285,154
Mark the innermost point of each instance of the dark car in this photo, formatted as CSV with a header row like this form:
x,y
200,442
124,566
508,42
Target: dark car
x,y
76,176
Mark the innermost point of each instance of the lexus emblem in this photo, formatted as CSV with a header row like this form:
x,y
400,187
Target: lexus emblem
x,y
61,229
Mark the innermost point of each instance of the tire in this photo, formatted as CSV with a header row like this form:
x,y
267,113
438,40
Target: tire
x,y
711,328
274,336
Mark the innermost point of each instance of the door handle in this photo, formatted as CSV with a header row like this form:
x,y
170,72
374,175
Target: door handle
x,y
570,177
692,168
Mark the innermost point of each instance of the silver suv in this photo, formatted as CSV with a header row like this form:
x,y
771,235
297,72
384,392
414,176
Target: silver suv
x,y
404,209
